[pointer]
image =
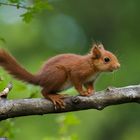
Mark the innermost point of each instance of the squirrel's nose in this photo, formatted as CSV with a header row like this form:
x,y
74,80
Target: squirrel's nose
x,y
117,66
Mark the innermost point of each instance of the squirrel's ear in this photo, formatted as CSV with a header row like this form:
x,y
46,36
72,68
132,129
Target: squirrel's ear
x,y
95,51
100,46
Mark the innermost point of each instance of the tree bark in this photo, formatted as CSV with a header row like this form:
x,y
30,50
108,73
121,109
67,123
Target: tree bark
x,y
99,100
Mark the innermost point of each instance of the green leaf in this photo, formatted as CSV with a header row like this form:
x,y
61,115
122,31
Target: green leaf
x,y
7,128
18,6
40,5
27,17
2,40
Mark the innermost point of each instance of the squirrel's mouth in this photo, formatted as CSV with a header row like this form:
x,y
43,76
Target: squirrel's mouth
x,y
115,67
111,70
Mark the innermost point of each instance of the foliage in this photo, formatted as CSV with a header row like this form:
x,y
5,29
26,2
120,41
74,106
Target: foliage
x,y
38,6
2,40
7,129
30,9
71,27
65,123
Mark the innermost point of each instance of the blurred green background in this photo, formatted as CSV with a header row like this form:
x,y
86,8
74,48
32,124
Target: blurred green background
x,y
71,27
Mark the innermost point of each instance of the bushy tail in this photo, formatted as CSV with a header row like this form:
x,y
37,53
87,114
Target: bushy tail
x,y
10,64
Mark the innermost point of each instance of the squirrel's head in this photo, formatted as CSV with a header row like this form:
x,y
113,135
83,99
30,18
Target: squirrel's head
x,y
104,60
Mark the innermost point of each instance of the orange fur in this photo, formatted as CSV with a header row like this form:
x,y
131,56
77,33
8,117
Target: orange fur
x,y
64,71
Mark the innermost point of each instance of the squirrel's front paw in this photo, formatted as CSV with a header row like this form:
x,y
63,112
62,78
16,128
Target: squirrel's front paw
x,y
84,93
90,91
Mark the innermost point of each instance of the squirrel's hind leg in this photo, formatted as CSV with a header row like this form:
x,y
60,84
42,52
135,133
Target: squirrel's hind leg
x,y
57,99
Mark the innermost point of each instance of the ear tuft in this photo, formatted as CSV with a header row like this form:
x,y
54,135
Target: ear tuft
x,y
101,46
95,51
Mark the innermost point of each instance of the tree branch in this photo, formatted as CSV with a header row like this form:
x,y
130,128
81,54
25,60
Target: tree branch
x,y
5,92
99,100
15,5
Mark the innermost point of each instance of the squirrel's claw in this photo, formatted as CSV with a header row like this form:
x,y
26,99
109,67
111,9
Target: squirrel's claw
x,y
57,100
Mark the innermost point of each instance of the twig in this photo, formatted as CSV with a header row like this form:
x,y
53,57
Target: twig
x,y
15,5
4,93
100,100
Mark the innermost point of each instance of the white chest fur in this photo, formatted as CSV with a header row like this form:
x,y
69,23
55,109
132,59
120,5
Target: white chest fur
x,y
92,77
68,83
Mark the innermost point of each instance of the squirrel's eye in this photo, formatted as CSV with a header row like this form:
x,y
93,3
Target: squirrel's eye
x,y
106,59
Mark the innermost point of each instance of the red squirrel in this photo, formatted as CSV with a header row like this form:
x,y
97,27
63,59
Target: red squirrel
x,y
64,71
